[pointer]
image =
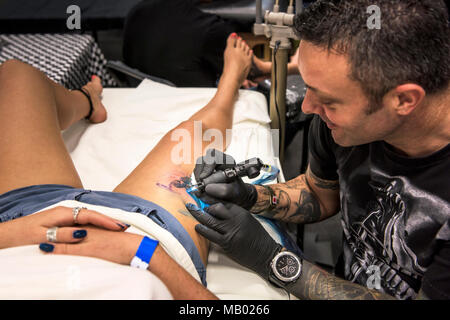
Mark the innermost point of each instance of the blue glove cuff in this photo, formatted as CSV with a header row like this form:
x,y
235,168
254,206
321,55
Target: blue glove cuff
x,y
144,253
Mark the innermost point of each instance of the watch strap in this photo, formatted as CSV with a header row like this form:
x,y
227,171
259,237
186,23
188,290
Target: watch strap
x,y
272,276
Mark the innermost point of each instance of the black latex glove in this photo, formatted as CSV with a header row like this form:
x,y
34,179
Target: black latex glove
x,y
238,233
238,192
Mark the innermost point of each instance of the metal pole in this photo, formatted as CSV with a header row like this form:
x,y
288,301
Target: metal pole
x,y
298,6
278,98
258,11
277,26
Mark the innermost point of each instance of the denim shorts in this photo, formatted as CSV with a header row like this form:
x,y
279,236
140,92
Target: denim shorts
x,y
24,201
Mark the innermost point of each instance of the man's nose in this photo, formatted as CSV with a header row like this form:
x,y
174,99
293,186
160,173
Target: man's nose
x,y
309,106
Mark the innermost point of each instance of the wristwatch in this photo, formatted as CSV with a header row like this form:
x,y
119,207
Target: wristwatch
x,y
285,268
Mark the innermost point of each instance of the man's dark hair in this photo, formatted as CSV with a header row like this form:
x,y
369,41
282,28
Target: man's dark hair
x,y
412,45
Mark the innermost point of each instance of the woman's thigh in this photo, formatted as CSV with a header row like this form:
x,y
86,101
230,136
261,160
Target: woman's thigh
x,y
31,147
159,178
167,194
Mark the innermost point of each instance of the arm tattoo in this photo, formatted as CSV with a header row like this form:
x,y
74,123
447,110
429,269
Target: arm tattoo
x,y
282,209
422,296
317,284
308,209
296,202
262,202
321,183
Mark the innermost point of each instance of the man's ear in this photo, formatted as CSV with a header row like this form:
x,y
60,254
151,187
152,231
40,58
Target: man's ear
x,y
407,97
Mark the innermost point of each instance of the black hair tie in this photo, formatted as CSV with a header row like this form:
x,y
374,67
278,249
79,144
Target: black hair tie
x,y
91,107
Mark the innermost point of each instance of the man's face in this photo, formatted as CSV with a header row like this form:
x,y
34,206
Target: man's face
x,y
340,101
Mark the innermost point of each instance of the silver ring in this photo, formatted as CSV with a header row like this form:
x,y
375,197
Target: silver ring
x,y
75,212
51,234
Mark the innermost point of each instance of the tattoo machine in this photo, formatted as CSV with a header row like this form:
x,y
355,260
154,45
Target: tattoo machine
x,y
249,168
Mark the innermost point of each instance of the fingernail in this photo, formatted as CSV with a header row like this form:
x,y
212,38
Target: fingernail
x,y
47,247
93,77
123,226
79,234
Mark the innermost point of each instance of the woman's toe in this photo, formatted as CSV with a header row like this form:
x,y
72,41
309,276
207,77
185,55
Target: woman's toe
x,y
231,41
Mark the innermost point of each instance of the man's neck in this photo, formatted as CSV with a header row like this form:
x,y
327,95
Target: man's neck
x,y
426,131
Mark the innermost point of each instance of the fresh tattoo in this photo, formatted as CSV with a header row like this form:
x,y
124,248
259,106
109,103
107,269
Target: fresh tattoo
x,y
180,183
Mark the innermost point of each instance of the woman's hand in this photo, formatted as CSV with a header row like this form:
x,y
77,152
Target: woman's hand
x,y
121,247
32,229
118,247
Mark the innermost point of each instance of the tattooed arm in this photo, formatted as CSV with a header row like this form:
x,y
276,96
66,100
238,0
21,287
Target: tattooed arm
x,y
305,199
317,284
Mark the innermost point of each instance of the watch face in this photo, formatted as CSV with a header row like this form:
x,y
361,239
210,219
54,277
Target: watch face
x,y
287,266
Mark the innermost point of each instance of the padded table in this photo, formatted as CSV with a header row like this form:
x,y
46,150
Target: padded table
x,y
68,59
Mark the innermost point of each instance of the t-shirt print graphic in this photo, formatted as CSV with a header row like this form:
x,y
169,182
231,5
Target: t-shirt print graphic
x,y
379,244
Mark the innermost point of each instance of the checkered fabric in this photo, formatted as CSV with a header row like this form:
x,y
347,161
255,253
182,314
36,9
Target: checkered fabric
x,y
68,59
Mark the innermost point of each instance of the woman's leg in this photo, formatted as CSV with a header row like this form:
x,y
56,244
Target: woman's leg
x,y
33,111
153,178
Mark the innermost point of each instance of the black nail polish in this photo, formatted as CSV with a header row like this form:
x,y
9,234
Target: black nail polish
x,y
47,247
79,234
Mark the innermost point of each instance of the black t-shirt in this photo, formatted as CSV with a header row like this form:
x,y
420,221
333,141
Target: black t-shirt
x,y
395,214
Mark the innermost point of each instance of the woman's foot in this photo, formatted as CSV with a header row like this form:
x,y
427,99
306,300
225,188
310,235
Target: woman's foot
x,y
95,88
237,61
263,68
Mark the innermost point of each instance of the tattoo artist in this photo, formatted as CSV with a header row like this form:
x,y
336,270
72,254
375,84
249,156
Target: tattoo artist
x,y
379,148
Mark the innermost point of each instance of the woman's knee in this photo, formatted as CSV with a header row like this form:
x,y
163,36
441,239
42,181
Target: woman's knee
x,y
12,66
13,69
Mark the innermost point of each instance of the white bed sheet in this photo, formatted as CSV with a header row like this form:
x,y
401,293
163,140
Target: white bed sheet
x,y
104,155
